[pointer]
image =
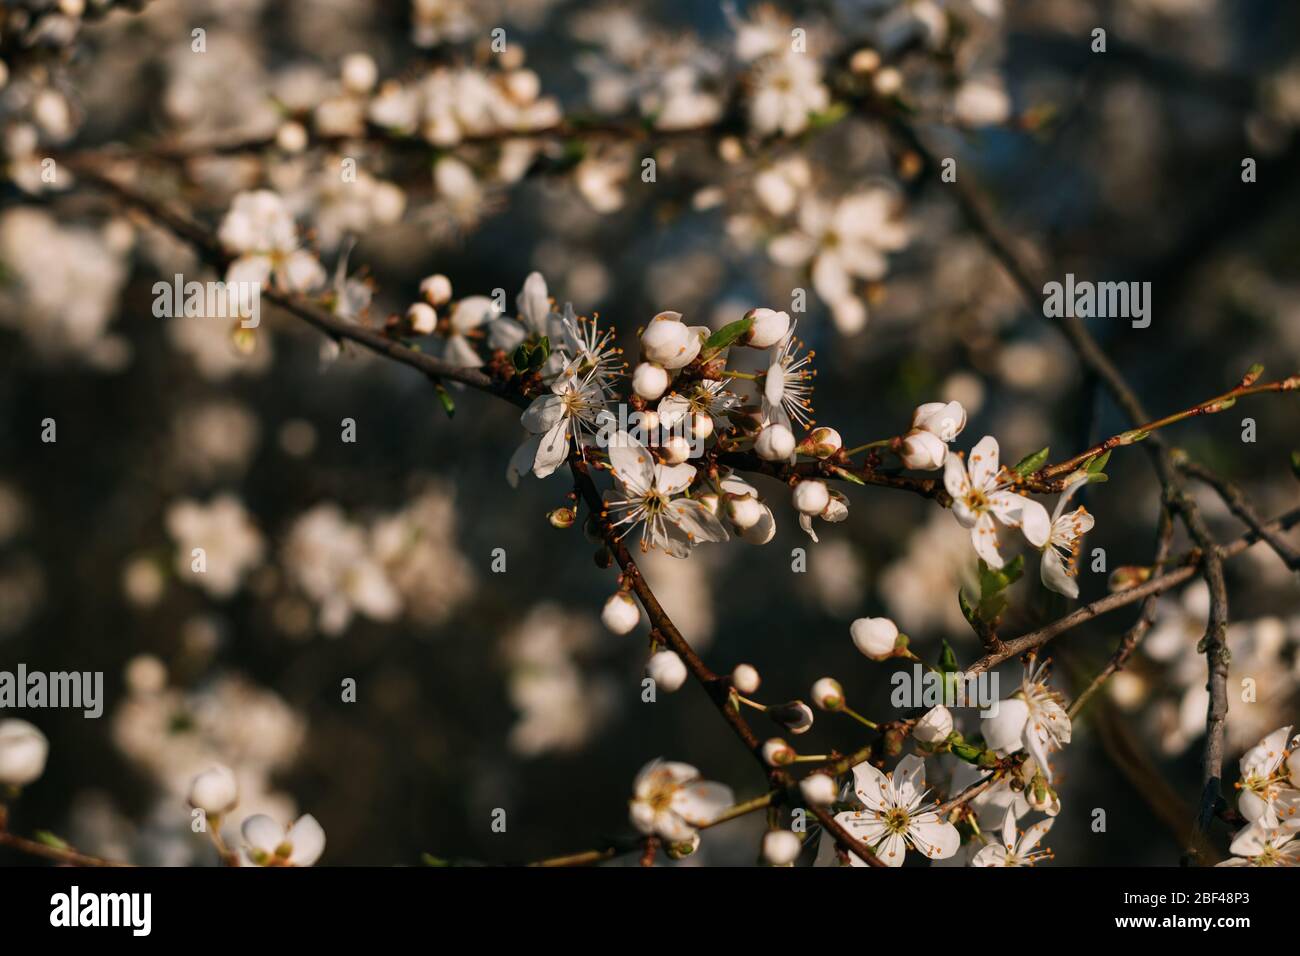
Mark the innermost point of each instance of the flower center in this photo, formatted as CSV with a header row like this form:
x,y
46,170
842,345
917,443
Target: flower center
x,y
896,820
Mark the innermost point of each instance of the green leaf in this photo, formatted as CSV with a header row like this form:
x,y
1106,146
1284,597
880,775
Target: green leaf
x,y
49,839
1295,463
968,610
1252,374
428,859
948,659
444,398
829,116
726,335
531,355
848,476
1031,463
1097,462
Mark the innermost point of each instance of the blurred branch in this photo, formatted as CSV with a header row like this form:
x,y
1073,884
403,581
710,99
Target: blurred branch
x,y
1146,618
1236,501
1154,585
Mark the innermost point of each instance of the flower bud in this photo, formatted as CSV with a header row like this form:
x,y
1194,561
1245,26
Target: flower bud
x,y
701,425
781,847
821,442
827,694
680,851
769,327
620,613
649,381
865,60
1041,797
421,318
745,678
291,137
562,518
811,496
745,511
647,421
934,726
796,716
669,342
777,753
710,501
892,742
666,669
1128,576
762,532
888,81
215,791
923,450
359,73
524,86
943,420
876,637
818,789
774,443
676,450
23,749
436,289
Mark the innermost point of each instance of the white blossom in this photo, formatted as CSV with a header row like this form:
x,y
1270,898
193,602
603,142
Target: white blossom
x,y
981,494
648,497
23,749
1033,719
670,800
896,818
1016,850
1061,553
267,843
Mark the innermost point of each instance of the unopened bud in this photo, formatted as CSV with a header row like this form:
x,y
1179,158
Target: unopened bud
x,y
781,847
620,613
745,678
777,753
795,716
818,789
821,443
827,694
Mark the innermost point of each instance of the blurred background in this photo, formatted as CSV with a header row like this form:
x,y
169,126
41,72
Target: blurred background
x,y
373,560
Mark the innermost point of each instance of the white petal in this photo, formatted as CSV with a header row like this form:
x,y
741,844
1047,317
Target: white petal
x,y
262,833
308,839
984,463
1054,576
935,838
702,802
697,521
541,416
984,535
552,451
632,464
955,479
872,787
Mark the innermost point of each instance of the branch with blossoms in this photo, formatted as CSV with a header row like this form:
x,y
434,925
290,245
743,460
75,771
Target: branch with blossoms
x,y
661,454
687,405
